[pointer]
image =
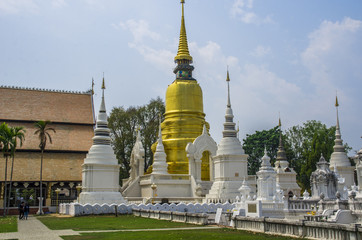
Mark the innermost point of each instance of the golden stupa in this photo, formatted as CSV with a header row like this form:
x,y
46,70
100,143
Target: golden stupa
x,y
184,116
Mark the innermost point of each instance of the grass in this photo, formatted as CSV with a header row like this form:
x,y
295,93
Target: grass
x,y
85,223
214,234
8,224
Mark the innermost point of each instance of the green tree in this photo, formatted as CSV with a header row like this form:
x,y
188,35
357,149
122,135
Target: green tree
x,y
6,145
43,131
17,134
307,143
254,145
124,124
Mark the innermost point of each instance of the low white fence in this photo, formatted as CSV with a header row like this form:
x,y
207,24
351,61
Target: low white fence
x,y
76,209
306,229
186,217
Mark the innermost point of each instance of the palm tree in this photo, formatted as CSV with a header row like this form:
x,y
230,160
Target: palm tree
x,y
6,144
43,132
17,134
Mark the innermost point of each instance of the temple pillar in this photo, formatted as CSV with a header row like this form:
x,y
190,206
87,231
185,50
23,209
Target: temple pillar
x,y
2,187
48,199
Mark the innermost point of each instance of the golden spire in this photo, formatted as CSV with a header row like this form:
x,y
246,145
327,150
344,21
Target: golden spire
x,y
280,122
227,75
336,101
103,84
183,49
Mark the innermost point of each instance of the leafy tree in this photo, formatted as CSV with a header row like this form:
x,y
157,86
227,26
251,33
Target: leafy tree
x,y
307,143
17,134
124,124
43,131
6,145
254,145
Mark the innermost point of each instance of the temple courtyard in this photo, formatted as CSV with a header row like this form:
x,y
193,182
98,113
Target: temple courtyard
x,y
111,227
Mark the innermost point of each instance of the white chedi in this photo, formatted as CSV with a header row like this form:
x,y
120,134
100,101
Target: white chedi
x,y
266,180
100,171
159,159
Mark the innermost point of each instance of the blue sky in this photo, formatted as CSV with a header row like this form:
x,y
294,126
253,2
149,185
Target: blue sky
x,y
283,56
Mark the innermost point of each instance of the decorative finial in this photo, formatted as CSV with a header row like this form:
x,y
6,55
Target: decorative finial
x,y
103,84
159,128
337,105
280,122
92,86
183,49
204,130
228,80
227,75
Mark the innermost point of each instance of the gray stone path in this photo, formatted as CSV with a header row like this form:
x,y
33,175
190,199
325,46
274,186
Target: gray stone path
x,y
34,229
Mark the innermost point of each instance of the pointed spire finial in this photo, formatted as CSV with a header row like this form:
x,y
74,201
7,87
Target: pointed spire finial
x,y
183,49
204,130
336,100
280,122
159,127
227,75
228,80
92,86
103,84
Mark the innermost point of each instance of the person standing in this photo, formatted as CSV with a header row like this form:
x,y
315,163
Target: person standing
x,y
26,210
21,211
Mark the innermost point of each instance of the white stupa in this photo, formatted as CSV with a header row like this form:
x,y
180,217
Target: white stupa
x,y
230,161
266,180
159,158
339,160
100,174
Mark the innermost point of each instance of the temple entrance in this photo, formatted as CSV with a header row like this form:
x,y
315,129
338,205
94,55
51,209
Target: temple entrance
x,y
205,166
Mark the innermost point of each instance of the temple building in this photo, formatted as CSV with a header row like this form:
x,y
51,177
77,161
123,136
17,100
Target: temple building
x,y
184,150
71,114
184,115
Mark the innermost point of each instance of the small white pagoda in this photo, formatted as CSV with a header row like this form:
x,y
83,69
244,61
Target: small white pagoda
x,y
339,161
100,171
230,161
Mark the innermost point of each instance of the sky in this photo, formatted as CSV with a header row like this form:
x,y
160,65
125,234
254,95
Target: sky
x,y
287,57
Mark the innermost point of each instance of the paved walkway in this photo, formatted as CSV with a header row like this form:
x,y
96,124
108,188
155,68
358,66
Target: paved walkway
x,y
34,229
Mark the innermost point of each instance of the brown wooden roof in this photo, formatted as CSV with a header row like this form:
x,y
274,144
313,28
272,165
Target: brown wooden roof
x,y
56,106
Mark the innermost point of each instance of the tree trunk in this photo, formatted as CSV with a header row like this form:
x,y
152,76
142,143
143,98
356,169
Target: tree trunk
x,y
11,183
41,184
6,187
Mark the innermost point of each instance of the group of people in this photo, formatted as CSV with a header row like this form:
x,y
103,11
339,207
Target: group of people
x,y
23,211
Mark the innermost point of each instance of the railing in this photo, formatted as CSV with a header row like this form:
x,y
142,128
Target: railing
x,y
305,205
314,230
54,202
165,177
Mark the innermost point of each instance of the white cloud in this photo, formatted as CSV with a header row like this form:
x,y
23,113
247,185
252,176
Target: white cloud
x,y
142,33
333,53
242,9
58,3
17,6
140,29
260,51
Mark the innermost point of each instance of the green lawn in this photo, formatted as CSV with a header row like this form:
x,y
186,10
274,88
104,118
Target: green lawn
x,y
8,224
214,234
85,223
